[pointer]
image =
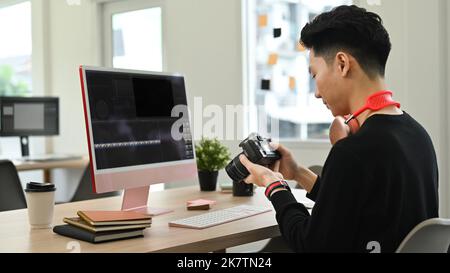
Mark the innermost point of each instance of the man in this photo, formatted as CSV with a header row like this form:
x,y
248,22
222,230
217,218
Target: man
x,y
378,183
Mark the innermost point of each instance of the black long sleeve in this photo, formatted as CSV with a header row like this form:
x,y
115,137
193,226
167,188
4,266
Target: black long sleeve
x,y
315,190
335,213
375,186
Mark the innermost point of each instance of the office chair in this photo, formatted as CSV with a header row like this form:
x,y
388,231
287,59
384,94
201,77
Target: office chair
x,y
12,196
430,236
84,190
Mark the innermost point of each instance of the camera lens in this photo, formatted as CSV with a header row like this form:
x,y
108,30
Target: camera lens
x,y
236,170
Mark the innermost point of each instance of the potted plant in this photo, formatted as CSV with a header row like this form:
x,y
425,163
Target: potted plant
x,y
212,156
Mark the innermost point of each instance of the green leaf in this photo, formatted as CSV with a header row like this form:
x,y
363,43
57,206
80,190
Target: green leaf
x,y
211,155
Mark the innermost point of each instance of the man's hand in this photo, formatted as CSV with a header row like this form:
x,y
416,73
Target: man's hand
x,y
339,130
259,175
289,168
287,165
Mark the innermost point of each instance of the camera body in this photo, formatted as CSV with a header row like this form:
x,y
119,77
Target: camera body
x,y
258,151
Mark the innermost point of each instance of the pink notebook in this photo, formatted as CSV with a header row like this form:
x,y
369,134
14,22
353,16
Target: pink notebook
x,y
113,217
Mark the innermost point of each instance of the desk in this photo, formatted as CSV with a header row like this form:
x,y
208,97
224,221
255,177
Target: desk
x,y
16,236
47,166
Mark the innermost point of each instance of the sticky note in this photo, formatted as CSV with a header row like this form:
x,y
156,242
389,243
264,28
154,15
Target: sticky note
x,y
199,207
273,59
200,204
263,20
265,84
292,83
276,32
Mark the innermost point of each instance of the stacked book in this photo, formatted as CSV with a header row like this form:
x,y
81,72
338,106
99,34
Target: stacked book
x,y
102,226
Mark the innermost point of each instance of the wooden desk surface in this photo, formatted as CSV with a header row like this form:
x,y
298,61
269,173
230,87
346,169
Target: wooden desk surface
x,y
16,236
47,165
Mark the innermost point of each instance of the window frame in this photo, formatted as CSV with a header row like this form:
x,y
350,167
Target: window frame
x,y
108,8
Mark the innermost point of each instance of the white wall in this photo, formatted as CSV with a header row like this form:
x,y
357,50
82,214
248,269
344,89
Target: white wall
x,y
72,43
69,39
204,43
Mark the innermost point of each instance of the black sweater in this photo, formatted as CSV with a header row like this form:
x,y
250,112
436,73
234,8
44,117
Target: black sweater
x,y
376,186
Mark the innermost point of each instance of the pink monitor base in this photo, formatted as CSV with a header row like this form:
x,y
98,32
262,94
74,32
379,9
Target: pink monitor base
x,y
136,200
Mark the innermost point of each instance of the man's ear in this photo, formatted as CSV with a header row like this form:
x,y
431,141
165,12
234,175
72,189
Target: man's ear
x,y
343,63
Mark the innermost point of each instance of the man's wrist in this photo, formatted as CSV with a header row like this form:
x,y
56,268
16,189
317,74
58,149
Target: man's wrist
x,y
269,180
300,175
306,178
275,187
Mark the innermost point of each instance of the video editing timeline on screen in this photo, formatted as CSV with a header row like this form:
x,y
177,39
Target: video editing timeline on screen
x,y
126,144
132,119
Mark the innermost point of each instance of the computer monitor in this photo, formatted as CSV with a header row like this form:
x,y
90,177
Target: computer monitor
x,y
130,129
24,117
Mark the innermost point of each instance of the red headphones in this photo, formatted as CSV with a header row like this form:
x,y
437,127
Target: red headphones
x,y
375,102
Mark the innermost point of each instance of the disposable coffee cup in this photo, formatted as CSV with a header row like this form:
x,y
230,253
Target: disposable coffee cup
x,y
40,203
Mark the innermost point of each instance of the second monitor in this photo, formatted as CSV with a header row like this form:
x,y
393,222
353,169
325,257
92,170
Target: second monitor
x,y
24,117
130,129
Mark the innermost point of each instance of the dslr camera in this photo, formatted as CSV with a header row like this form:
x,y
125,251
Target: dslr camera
x,y
258,151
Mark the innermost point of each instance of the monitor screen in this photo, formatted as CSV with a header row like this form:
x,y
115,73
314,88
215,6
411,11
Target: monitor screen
x,y
29,116
131,119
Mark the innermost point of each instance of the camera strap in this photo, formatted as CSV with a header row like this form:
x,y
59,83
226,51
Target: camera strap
x,y
375,102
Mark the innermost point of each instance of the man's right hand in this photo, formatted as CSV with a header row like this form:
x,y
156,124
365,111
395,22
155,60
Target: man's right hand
x,y
287,165
290,170
339,130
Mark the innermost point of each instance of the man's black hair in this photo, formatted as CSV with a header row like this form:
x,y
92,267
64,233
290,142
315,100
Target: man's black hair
x,y
353,30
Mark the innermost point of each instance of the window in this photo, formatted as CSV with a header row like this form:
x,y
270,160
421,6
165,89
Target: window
x,y
15,49
135,35
280,89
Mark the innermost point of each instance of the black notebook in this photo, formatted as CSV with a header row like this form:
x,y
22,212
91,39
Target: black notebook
x,y
84,235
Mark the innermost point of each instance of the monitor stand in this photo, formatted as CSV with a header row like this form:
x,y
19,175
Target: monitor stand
x,y
136,200
25,146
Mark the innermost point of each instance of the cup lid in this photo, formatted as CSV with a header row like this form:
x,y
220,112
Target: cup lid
x,y
40,187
